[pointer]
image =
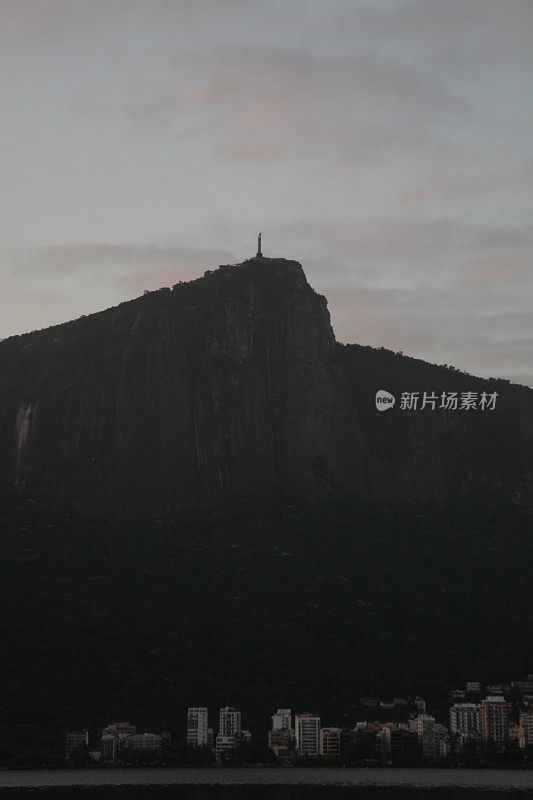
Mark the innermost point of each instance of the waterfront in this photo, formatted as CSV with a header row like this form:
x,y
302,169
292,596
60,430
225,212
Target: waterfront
x,y
269,784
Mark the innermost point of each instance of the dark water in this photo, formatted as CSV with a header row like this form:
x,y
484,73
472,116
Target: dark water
x,y
268,784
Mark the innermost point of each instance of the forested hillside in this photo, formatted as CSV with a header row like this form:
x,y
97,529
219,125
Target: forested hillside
x,y
261,604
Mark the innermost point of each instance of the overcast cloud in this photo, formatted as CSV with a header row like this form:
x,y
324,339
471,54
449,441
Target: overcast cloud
x,y
385,144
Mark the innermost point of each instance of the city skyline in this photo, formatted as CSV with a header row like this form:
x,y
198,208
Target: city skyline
x,y
473,728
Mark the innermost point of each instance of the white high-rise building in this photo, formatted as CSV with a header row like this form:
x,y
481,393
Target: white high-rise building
x,y
229,721
223,747
280,741
442,741
464,718
330,742
424,726
230,733
307,729
282,719
281,735
116,738
494,714
197,727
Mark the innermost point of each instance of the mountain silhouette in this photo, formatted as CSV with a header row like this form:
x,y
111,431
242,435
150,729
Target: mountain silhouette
x,y
233,385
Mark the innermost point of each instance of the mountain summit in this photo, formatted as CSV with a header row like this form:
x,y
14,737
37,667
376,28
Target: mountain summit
x,y
234,384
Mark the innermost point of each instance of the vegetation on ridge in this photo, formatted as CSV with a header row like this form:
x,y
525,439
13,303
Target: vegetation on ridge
x,y
265,603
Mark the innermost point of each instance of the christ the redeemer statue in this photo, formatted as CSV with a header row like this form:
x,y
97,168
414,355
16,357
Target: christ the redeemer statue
x,y
259,253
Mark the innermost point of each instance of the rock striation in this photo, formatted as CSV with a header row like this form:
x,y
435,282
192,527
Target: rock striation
x,y
234,384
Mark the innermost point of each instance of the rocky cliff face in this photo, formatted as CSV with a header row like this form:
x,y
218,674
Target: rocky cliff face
x,y
234,384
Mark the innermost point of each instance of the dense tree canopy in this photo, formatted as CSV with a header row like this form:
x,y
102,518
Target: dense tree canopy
x,y
262,604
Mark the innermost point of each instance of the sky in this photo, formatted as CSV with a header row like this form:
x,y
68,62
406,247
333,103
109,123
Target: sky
x,y
387,145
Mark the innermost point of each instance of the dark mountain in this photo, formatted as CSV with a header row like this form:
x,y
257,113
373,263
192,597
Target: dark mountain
x,y
248,529
231,385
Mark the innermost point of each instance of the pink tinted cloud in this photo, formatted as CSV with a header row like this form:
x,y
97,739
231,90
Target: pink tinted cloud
x,y
256,114
49,20
368,316
157,277
293,98
381,237
439,183
157,260
27,309
474,339
483,271
263,131
251,150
